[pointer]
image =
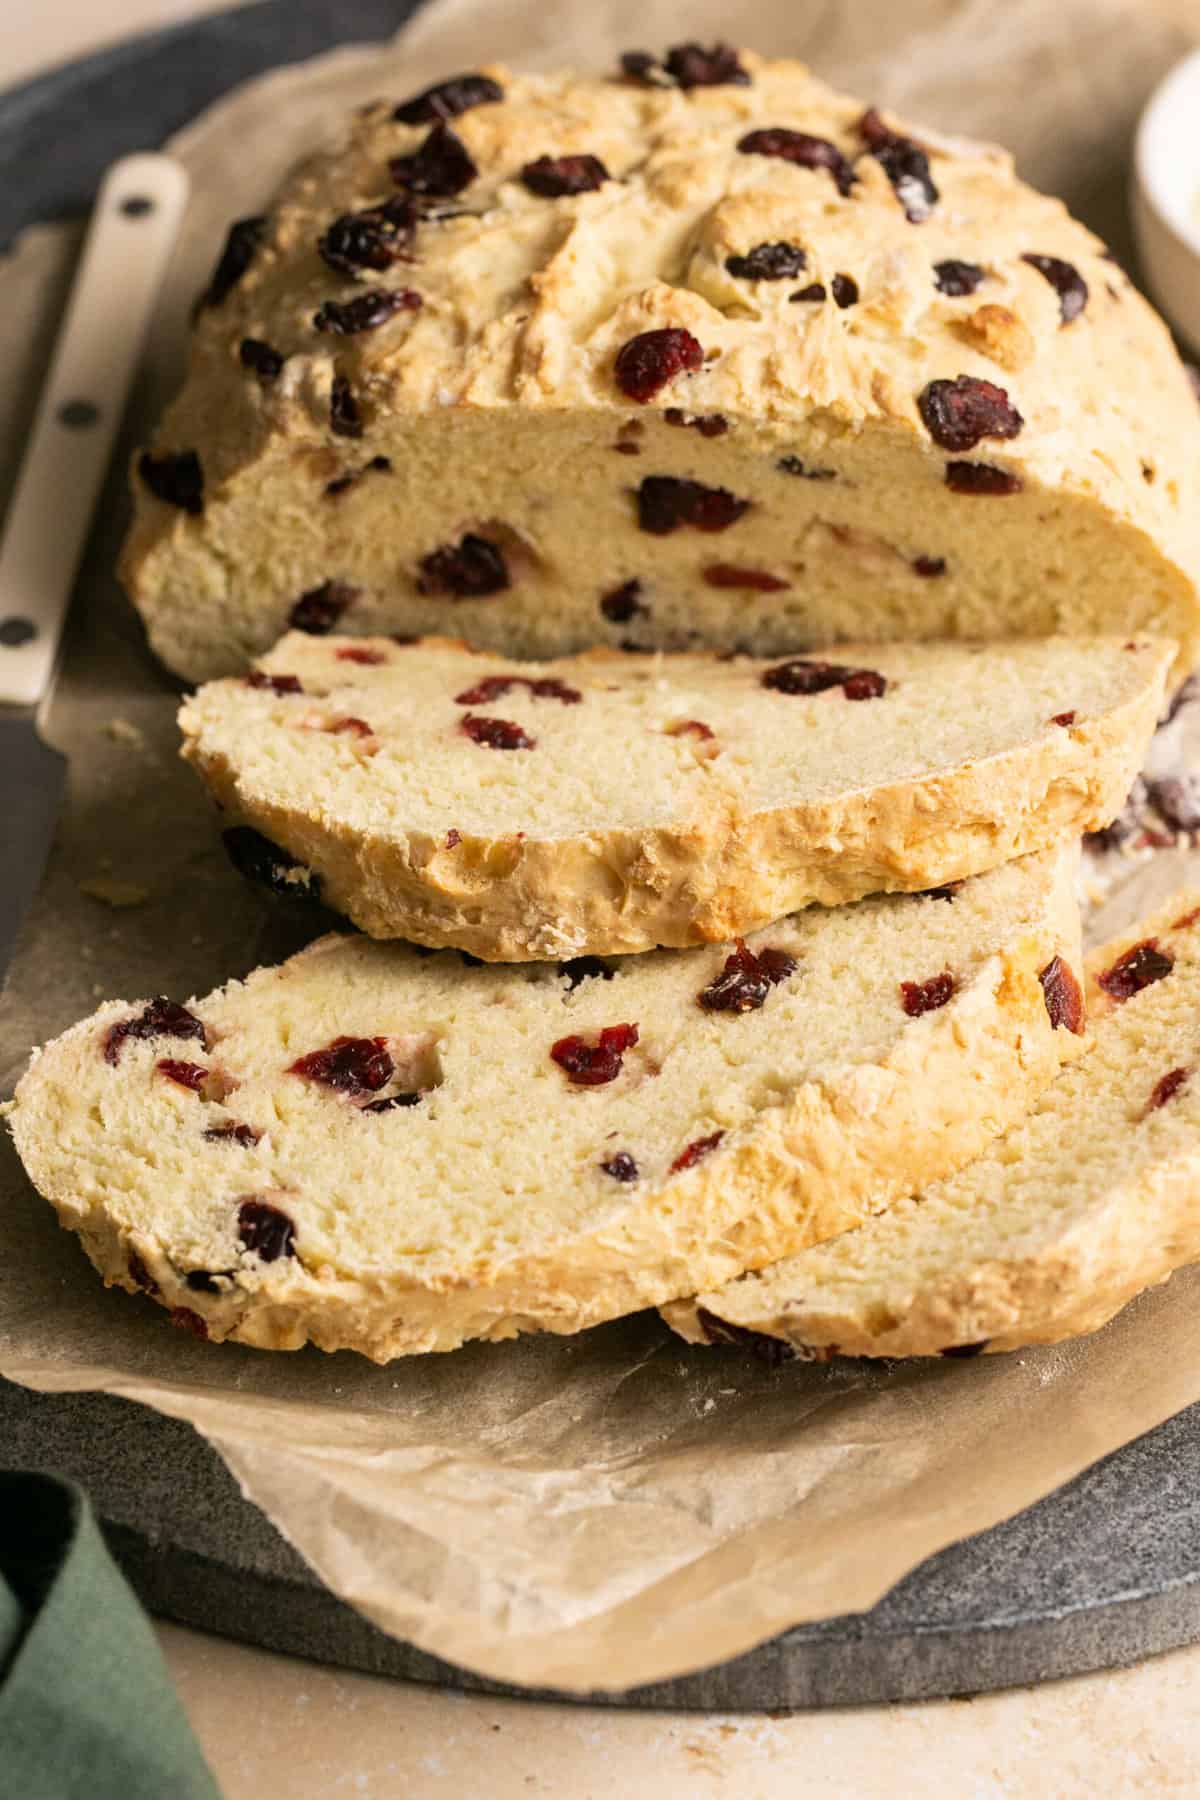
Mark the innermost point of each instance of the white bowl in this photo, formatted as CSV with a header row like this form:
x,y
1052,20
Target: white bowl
x,y
1166,196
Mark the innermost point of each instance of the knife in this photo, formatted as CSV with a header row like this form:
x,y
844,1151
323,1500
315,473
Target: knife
x,y
129,242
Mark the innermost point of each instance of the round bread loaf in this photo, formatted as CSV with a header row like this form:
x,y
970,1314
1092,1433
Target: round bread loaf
x,y
702,353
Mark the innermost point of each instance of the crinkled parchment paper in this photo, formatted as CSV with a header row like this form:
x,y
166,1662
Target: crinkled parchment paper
x,y
613,1509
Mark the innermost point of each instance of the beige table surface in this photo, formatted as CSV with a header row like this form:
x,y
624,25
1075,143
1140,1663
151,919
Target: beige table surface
x,y
274,1729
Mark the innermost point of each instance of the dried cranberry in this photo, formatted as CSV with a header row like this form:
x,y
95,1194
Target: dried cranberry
x,y
243,240
1137,969
1177,798
245,1135
258,859
348,722
176,477
814,291
623,603
187,1320
366,311
1065,279
470,569
1063,718
372,239
929,567
957,278
919,997
319,610
496,734
692,1153
653,358
441,167
795,465
202,1282
494,687
904,163
801,148
393,1101
746,980
351,1065
183,1074
592,1065
691,66
345,415
1064,999
691,728
277,684
768,262
140,1275
553,176
161,1018
585,968
665,502
845,290
709,425
361,654
731,575
769,1350
266,362
802,676
959,413
981,478
1166,1088
453,838
621,1167
265,1231
447,99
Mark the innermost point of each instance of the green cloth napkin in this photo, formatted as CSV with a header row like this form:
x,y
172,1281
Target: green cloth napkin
x,y
87,1710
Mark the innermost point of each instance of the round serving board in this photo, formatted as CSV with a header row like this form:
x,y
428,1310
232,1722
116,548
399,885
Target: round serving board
x,y
1106,1571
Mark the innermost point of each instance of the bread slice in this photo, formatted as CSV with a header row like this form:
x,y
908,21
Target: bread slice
x,y
1060,1222
666,800
377,1149
754,366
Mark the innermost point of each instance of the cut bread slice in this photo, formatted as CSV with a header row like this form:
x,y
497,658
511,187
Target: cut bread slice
x,y
614,802
1093,1197
374,1148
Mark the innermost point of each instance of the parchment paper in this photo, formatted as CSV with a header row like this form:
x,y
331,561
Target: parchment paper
x,y
612,1509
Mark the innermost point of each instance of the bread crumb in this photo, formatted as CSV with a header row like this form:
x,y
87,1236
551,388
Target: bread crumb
x,y
114,892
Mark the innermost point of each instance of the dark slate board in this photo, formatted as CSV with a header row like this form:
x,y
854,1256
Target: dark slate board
x,y
1103,1573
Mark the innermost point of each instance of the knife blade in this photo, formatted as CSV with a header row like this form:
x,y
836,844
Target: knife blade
x,y
132,233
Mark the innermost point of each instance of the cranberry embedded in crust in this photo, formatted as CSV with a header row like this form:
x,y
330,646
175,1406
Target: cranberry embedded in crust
x,y
243,240
621,1167
441,167
184,1074
447,99
623,603
746,980
187,1320
245,1135
917,997
1063,996
495,734
649,361
373,239
864,684
265,1230
350,1065
552,177
366,312
844,289
258,859
686,66
176,477
959,414
1063,718
1167,1088
801,148
730,575
814,291
469,570
266,362
904,163
161,1018
957,278
319,610
692,1153
768,262
666,502
929,567
494,687
802,676
361,654
345,415
1138,968
594,1065
276,684
1065,279
981,478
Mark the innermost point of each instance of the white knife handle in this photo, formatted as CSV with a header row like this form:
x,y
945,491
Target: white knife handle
x,y
124,259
